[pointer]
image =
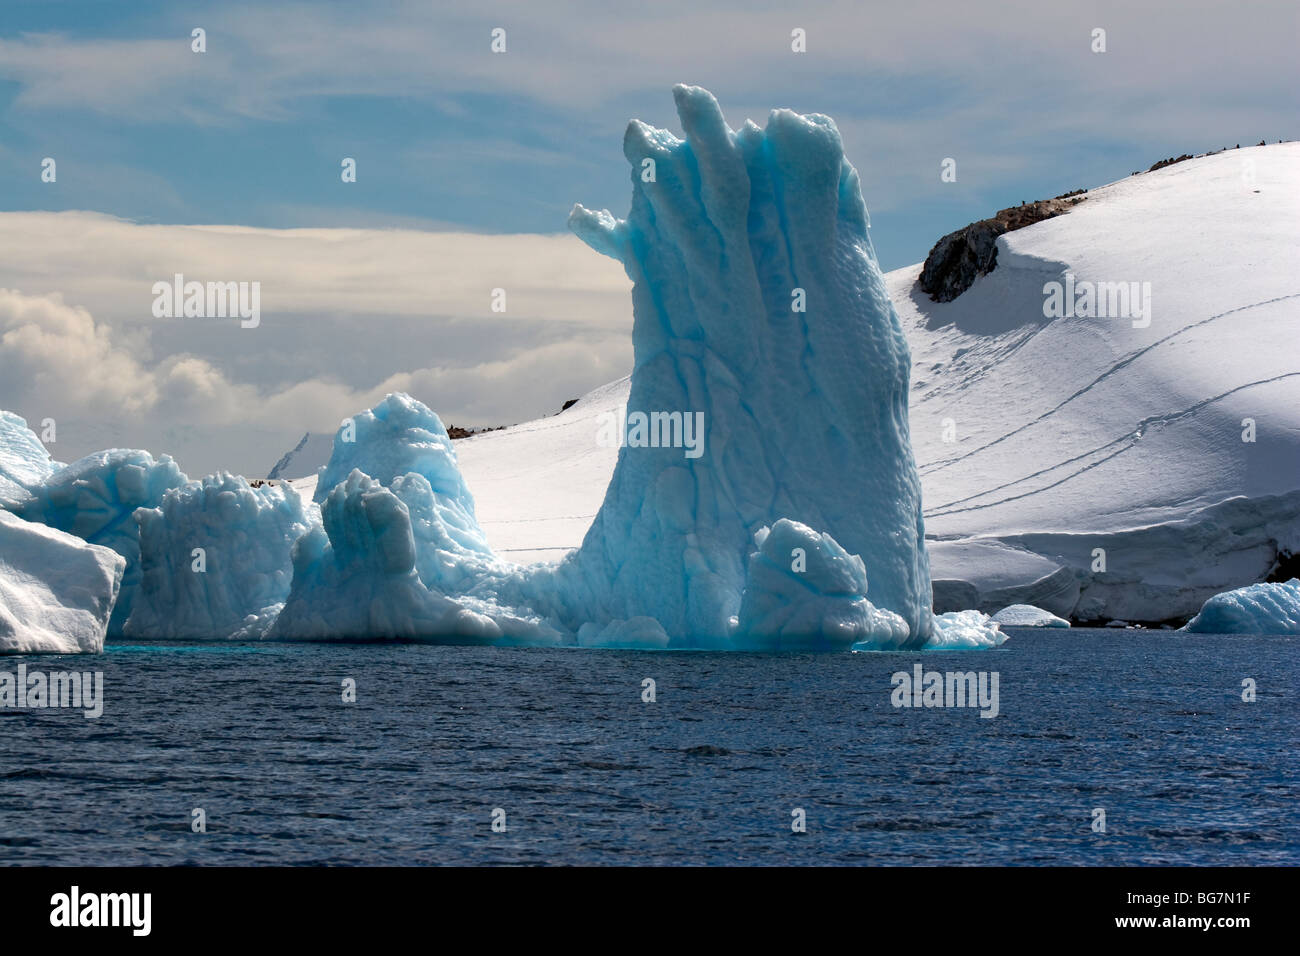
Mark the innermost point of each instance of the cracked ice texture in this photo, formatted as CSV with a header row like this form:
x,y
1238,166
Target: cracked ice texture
x,y
806,413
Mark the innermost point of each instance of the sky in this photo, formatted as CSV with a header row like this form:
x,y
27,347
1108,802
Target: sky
x,y
226,165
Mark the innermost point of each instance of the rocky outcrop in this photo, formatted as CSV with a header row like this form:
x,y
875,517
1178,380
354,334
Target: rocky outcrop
x,y
960,257
1169,162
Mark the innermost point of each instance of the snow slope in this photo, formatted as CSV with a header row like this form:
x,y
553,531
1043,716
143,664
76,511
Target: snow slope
x,y
1067,434
538,485
1080,433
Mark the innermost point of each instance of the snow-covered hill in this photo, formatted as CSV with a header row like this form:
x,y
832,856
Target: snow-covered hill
x,y
1041,440
537,486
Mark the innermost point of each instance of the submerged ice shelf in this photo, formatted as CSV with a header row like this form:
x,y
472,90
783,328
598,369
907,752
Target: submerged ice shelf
x,y
1026,615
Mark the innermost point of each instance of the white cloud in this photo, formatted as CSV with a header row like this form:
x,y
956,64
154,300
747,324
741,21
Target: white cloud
x,y
582,53
79,342
1006,89
111,265
50,348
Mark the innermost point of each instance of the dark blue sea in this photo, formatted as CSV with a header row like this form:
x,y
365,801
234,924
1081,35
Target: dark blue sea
x,y
1146,725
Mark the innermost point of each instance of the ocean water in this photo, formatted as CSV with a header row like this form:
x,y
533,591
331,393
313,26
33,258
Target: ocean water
x,y
1148,726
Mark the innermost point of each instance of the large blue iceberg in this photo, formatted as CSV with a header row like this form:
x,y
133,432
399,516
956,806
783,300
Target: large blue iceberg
x,y
759,305
765,480
765,495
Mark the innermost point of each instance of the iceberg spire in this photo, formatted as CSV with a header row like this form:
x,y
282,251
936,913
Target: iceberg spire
x,y
759,303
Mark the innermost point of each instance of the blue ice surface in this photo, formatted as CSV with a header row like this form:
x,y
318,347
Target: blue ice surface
x,y
1254,609
818,604
95,498
380,566
757,301
401,436
215,559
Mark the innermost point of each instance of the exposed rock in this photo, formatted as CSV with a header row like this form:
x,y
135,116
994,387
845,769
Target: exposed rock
x,y
1169,162
1285,567
455,431
960,257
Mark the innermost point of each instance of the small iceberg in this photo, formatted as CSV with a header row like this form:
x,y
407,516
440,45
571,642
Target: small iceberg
x,y
1254,609
1026,615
